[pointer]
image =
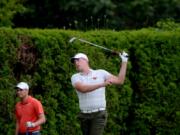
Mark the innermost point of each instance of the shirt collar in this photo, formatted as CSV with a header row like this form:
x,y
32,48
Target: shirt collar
x,y
90,71
27,100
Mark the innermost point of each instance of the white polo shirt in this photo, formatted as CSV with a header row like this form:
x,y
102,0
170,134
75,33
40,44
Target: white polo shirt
x,y
94,99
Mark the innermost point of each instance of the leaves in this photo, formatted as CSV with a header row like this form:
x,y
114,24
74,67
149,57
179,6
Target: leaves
x,y
148,102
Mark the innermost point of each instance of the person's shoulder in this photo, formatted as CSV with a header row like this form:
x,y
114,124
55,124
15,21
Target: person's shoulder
x,y
33,99
18,104
75,75
100,70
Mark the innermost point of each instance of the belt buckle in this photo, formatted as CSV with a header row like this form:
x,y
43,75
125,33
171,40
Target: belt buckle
x,y
92,111
95,110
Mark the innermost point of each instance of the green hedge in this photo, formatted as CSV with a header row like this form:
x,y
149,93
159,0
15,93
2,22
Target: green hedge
x,y
147,104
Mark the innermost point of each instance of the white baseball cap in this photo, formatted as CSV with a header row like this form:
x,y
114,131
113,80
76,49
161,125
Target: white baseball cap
x,y
79,55
22,85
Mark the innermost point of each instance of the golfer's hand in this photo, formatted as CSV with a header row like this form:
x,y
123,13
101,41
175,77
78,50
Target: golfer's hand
x,y
107,82
123,56
30,124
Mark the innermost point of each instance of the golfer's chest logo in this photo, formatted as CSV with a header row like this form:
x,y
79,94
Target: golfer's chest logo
x,y
94,78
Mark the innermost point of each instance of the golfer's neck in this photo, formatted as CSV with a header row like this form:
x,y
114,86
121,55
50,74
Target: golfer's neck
x,y
24,98
86,71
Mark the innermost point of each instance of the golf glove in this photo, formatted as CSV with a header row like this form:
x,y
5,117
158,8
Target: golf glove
x,y
124,56
30,124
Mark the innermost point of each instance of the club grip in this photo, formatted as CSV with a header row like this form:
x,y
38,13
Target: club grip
x,y
115,53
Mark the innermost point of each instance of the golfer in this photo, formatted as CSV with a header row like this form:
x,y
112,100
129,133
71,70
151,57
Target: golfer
x,y
90,87
29,112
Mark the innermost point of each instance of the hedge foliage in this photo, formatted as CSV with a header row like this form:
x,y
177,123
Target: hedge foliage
x,y
147,104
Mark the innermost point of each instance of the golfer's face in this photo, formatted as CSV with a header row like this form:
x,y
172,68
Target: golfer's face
x,y
80,64
21,93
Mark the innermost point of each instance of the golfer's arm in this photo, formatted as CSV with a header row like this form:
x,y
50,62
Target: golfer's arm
x,y
41,120
88,88
17,127
119,80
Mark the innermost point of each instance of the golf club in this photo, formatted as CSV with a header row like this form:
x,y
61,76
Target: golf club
x,y
85,41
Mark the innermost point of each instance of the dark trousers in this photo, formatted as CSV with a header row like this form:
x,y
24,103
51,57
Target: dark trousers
x,y
93,123
31,133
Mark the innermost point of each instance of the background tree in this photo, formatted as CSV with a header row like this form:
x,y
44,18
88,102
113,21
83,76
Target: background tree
x,y
95,14
8,9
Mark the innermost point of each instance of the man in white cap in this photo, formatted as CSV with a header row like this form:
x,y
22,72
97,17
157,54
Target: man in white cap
x,y
90,87
29,112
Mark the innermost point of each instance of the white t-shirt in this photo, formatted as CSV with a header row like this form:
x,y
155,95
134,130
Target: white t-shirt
x,y
94,99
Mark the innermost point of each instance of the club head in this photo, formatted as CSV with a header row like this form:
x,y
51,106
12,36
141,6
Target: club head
x,y
72,39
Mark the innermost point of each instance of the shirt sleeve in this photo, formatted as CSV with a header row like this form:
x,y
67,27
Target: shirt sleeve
x,y
105,74
39,107
74,79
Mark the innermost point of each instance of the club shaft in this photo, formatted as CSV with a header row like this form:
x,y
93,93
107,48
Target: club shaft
x,y
82,40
